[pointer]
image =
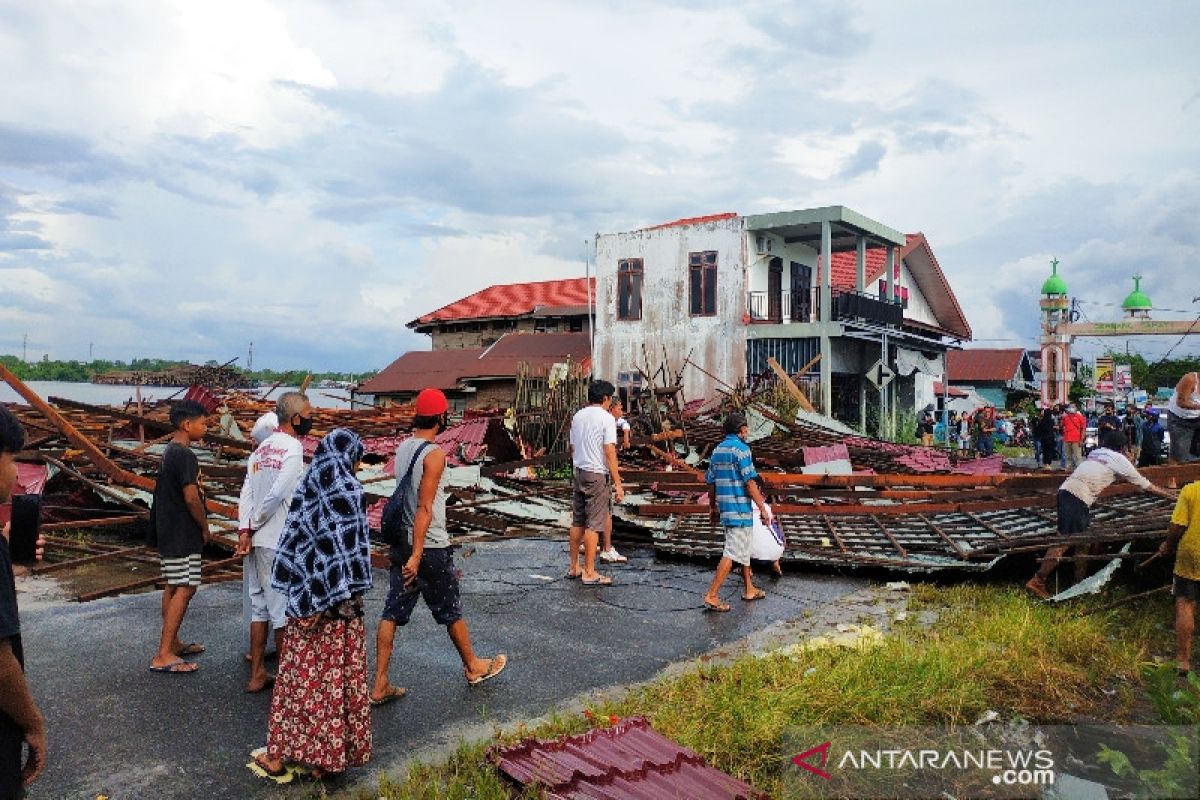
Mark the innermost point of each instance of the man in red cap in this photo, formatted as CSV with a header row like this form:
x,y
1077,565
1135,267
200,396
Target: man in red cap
x,y
422,565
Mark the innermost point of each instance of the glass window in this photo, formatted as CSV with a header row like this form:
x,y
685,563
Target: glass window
x,y
629,288
702,283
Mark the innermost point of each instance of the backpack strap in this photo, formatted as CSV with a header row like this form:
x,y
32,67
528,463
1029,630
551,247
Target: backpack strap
x,y
421,448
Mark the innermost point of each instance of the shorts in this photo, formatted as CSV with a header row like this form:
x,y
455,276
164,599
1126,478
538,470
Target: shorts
x,y
591,501
1074,516
1185,588
181,570
437,583
737,544
266,604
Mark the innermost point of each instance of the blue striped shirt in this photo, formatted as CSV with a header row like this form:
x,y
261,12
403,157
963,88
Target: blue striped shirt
x,y
729,468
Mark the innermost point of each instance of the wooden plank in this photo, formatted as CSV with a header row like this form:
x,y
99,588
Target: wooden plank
x,y
790,385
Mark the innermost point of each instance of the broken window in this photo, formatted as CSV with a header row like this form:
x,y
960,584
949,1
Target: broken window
x,y
629,288
702,275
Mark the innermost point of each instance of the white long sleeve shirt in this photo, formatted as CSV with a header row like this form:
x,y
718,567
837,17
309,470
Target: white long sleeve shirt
x,y
272,473
1098,471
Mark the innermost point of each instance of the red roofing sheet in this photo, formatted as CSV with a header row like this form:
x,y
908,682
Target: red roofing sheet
x,y
31,478
843,265
418,369
984,364
825,454
693,220
629,761
511,300
950,391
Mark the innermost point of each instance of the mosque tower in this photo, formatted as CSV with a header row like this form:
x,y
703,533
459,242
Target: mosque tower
x,y
1056,348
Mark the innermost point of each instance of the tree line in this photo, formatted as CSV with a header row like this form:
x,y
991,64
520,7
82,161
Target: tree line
x,y
84,371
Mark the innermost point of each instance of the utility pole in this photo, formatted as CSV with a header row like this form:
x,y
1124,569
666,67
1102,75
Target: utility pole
x,y
90,346
25,349
250,359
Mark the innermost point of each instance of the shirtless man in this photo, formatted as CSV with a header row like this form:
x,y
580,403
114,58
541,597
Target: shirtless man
x,y
1183,418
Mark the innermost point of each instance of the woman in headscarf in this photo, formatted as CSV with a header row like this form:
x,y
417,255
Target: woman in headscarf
x,y
320,714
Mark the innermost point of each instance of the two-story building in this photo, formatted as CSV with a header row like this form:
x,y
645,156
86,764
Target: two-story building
x,y
726,292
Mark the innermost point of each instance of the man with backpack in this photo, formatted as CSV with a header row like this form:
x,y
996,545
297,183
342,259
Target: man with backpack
x,y
422,565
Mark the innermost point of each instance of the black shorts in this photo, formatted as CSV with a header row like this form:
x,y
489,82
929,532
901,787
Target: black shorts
x,y
1074,516
1185,588
437,582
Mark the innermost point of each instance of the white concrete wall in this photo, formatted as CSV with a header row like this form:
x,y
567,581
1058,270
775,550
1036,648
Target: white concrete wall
x,y
760,264
718,343
918,307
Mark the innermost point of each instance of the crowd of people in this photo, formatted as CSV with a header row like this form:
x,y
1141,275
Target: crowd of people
x,y
304,536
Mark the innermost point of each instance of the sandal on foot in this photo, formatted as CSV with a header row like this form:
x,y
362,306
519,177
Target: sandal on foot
x,y
260,768
573,575
267,684
179,667
759,594
496,665
599,580
191,649
718,606
393,693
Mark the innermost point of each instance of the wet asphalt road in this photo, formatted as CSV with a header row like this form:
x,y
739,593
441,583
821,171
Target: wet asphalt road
x,y
119,730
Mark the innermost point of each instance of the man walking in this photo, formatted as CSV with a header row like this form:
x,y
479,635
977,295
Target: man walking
x,y
733,479
1077,495
1074,425
179,521
21,723
594,456
272,473
1183,539
422,565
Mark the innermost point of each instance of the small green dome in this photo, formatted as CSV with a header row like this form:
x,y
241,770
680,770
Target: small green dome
x,y
1054,284
1137,299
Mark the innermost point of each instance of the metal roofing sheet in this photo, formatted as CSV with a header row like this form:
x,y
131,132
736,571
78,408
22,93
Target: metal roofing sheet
x,y
628,761
511,300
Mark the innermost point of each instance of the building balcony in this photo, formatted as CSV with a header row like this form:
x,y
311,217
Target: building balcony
x,y
777,308
850,305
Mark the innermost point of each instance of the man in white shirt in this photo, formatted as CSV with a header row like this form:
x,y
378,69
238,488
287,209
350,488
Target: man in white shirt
x,y
1077,495
608,553
594,456
272,473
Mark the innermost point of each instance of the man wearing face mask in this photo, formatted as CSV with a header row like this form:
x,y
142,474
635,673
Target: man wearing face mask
x,y
272,473
422,565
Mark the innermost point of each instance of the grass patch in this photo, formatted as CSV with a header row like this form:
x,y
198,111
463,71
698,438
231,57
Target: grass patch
x,y
993,648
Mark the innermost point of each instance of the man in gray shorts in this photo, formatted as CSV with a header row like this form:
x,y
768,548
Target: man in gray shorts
x,y
594,456
732,476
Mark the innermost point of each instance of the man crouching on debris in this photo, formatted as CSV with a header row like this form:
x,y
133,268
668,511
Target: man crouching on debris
x,y
594,456
732,475
1077,494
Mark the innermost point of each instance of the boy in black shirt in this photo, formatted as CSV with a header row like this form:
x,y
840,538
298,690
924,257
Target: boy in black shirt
x,y
20,719
179,520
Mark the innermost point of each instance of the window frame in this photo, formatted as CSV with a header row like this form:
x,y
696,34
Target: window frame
x,y
705,263
629,272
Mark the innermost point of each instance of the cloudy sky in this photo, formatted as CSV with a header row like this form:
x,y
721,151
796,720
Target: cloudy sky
x,y
178,179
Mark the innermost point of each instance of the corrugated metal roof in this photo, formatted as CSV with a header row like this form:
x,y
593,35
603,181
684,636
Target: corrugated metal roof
x,y
511,300
628,761
983,364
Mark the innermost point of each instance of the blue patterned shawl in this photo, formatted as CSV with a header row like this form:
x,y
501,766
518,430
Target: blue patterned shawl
x,y
324,556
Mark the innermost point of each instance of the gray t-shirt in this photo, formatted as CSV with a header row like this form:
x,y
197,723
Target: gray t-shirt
x,y
437,536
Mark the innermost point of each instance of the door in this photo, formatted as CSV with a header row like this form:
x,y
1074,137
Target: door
x,y
775,290
801,280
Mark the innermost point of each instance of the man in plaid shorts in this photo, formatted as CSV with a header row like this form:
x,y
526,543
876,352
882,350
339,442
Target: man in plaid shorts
x,y
179,522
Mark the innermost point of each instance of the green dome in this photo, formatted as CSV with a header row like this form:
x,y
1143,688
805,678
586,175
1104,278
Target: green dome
x,y
1137,299
1054,284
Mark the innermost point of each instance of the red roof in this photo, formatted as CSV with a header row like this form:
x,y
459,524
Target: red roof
x,y
511,300
446,369
843,265
950,391
628,760
984,364
694,220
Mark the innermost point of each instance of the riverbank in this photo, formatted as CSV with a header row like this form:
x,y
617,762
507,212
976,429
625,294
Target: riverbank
x,y
103,394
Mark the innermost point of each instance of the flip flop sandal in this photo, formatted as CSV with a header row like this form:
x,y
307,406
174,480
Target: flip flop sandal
x,y
759,594
174,668
284,774
716,606
600,580
394,693
191,649
495,667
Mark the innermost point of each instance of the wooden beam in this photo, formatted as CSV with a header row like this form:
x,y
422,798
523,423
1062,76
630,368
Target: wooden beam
x,y
790,385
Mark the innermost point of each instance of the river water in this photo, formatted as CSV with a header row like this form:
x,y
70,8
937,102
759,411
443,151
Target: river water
x,y
102,394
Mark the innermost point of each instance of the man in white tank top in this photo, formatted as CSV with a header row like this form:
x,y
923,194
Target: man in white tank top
x,y
1183,418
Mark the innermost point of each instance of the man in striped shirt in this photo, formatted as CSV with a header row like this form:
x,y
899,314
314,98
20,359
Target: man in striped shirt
x,y
734,493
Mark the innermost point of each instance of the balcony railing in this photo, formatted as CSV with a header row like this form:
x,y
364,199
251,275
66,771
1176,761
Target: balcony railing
x,y
783,306
859,305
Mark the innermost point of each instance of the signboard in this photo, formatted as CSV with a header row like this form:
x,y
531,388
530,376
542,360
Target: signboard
x,y
1104,374
880,374
1123,375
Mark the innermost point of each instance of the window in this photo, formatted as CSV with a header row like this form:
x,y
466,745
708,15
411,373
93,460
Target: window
x,y
702,278
629,288
576,324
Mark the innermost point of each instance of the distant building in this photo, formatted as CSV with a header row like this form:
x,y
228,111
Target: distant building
x,y
726,292
475,377
480,319
997,375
